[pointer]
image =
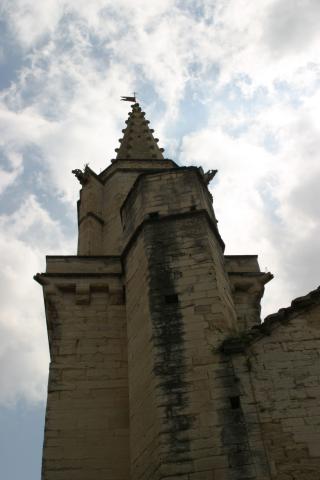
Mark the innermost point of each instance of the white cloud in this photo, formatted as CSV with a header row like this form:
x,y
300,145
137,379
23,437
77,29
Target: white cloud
x,y
30,20
268,202
73,138
24,239
291,27
8,176
266,40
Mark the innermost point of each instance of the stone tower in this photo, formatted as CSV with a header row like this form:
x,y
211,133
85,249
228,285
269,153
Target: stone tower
x,y
142,384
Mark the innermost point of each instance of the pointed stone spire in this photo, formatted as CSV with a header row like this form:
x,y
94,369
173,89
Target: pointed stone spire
x,y
138,142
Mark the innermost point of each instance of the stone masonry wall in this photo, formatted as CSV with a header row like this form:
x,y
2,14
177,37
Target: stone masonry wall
x,y
164,193
115,192
90,209
100,228
194,412
247,287
179,383
86,430
144,441
279,381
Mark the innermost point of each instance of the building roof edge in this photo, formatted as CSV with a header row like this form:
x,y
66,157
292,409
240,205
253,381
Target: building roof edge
x,y
238,344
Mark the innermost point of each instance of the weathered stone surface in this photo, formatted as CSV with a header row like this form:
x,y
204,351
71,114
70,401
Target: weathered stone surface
x,y
160,366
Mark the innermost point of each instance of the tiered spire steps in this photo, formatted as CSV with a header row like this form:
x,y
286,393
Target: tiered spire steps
x,y
138,142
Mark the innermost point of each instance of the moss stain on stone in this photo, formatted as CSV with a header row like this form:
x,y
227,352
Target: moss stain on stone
x,y
168,339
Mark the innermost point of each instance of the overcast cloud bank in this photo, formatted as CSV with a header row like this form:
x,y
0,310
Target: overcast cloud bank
x,y
232,85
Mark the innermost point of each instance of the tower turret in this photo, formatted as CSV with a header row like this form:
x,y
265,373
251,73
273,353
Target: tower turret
x,y
138,388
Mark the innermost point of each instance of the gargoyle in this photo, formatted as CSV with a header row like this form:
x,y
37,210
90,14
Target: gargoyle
x,y
82,176
208,176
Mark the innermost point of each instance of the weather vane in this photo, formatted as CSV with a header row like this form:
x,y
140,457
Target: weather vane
x,y
129,99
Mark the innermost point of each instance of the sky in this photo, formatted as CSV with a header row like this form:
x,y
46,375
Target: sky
x,y
231,85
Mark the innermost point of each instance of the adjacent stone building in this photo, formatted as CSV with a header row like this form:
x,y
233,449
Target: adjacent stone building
x,y
160,365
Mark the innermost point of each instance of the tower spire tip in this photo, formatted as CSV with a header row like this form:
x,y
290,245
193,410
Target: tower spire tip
x,y
137,141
